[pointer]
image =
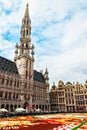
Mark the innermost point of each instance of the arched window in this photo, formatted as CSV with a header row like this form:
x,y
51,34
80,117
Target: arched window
x,y
7,107
2,81
2,106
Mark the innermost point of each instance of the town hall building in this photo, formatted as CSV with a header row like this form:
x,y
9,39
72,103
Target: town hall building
x,y
20,84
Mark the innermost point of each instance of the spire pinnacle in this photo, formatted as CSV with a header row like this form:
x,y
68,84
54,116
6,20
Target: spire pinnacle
x,y
46,72
27,11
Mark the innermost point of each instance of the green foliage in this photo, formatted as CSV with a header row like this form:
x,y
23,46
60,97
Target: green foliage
x,y
75,128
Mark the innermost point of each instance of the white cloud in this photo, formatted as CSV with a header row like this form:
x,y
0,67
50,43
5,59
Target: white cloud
x,y
59,32
75,30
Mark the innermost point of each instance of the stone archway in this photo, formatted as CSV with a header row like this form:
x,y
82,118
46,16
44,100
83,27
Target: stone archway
x,y
43,107
25,105
46,108
7,107
11,108
3,105
19,106
15,106
39,106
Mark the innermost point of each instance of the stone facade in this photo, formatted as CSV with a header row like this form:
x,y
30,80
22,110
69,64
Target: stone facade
x,y
20,84
54,98
69,97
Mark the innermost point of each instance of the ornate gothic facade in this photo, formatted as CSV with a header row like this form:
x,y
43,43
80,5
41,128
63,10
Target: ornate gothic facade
x,y
20,84
69,97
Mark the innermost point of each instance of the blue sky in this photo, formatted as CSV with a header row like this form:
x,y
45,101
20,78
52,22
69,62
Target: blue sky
x,y
59,33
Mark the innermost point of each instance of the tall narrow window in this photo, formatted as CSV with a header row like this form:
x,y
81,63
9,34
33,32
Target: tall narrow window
x,y
30,65
6,95
16,96
10,82
0,94
14,83
2,81
7,82
27,64
26,73
17,84
27,32
9,95
24,33
27,21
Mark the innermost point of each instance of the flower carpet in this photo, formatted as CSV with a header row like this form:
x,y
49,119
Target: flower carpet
x,y
45,122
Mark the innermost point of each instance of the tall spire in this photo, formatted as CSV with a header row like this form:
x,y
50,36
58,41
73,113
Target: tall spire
x,y
26,11
46,72
25,47
25,39
24,54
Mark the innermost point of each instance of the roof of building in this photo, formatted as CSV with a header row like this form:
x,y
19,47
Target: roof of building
x,y
8,66
68,83
38,77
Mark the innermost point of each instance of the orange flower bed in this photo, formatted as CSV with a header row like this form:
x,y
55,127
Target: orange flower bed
x,y
44,122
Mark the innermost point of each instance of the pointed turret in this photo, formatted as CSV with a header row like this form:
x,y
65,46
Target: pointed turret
x,y
46,76
54,86
26,16
46,72
26,11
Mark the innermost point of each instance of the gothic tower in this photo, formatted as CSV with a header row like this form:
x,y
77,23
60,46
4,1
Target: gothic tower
x,y
24,54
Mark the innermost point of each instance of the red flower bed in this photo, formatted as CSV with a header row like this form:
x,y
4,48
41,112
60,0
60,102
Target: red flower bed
x,y
46,122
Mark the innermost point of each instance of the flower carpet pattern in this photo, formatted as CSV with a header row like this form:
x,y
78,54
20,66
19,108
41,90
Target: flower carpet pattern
x,y
45,122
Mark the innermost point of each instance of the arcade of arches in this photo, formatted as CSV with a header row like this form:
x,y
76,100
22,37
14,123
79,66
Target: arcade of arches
x,y
12,107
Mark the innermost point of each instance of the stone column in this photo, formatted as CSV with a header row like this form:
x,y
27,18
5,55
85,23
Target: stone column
x,y
30,100
3,95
